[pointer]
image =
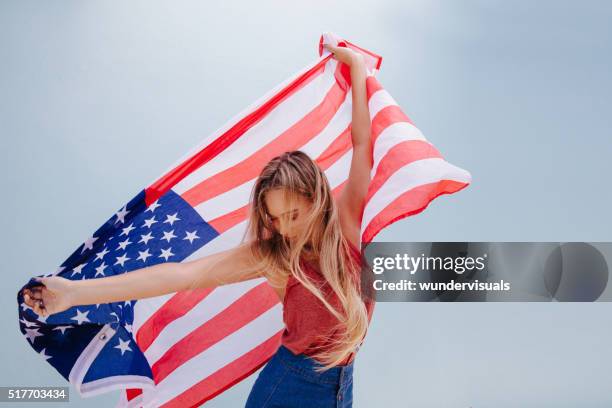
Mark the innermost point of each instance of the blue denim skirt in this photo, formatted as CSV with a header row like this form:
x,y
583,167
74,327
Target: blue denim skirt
x,y
289,380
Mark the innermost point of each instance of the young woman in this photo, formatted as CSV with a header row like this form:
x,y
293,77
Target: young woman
x,y
304,243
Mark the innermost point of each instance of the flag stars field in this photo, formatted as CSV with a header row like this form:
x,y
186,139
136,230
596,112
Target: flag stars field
x,y
166,253
27,323
121,214
143,255
124,244
26,307
101,254
123,346
168,235
32,334
191,236
169,230
146,238
122,259
81,317
62,328
100,269
153,206
127,230
42,353
78,269
171,219
88,244
150,221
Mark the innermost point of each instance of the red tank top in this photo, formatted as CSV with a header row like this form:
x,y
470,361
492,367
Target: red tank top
x,y
306,317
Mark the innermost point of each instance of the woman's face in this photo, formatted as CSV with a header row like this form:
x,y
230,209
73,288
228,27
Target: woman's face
x,y
288,219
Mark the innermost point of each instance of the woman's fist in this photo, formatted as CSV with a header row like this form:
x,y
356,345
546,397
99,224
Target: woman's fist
x,y
345,54
52,296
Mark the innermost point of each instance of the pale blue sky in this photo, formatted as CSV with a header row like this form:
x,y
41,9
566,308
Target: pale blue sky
x,y
98,98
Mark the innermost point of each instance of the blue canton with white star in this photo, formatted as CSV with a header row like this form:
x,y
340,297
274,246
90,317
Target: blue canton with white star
x,y
136,236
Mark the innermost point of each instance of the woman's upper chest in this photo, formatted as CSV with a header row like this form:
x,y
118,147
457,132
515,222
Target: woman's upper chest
x,y
291,286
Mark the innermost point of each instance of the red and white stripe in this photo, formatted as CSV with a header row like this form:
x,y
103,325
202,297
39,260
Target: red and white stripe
x,y
201,342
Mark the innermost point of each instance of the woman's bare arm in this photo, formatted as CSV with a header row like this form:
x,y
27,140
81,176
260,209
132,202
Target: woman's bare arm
x,y
351,202
209,271
222,268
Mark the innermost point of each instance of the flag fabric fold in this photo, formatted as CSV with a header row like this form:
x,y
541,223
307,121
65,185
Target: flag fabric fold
x,y
182,349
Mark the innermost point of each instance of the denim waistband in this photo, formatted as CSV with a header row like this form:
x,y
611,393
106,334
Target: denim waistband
x,y
305,366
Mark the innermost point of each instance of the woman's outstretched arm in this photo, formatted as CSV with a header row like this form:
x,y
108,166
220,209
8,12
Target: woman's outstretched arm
x,y
351,202
57,294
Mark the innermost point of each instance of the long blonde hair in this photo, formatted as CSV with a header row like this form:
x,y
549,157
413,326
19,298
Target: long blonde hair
x,y
296,173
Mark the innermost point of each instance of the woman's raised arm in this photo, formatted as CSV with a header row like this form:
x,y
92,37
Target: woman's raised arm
x,y
351,202
56,294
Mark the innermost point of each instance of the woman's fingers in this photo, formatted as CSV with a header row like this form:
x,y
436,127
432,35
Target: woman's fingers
x,y
33,297
39,307
329,48
42,308
342,54
30,300
35,307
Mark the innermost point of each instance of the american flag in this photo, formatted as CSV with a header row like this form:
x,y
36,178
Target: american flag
x,y
182,349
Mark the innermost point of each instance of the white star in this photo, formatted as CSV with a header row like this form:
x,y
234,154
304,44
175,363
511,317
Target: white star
x,y
114,314
123,346
143,255
124,244
32,334
42,353
166,253
127,230
88,244
58,270
78,269
172,218
28,323
41,318
101,254
149,222
81,317
191,236
26,307
146,238
62,328
127,303
121,214
100,269
121,260
168,235
128,327
153,206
